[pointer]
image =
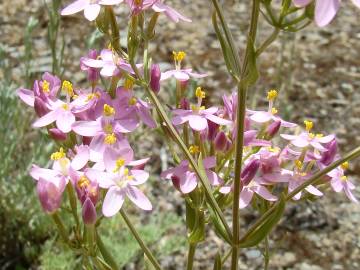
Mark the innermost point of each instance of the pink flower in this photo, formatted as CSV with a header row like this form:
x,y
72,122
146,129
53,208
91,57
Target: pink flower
x,y
188,179
306,139
120,181
181,74
157,6
109,63
46,89
341,182
325,10
50,193
93,73
131,107
91,7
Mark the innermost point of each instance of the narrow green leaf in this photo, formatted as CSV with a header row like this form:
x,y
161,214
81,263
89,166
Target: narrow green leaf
x,y
252,73
265,227
217,263
219,228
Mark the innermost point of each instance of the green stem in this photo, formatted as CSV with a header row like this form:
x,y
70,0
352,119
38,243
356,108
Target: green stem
x,y
349,156
105,253
268,42
191,253
61,227
141,243
241,109
72,200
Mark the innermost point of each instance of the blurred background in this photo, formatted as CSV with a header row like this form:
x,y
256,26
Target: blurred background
x,y
316,71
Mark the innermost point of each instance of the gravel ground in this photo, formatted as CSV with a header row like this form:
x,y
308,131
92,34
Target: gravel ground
x,y
318,74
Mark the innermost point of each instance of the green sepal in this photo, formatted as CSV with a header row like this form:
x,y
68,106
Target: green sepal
x,y
217,263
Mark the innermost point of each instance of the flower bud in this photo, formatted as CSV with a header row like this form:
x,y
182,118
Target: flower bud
x,y
40,107
213,129
329,155
57,134
249,171
221,141
93,73
89,212
49,195
176,182
184,104
273,128
155,75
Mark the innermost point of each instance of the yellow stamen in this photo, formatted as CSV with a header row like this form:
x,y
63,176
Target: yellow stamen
x,y
344,178
46,86
108,128
65,106
298,164
119,163
108,110
110,139
132,101
199,93
345,165
312,135
179,56
274,111
319,135
92,96
272,94
67,87
194,149
58,155
75,96
83,182
129,83
308,125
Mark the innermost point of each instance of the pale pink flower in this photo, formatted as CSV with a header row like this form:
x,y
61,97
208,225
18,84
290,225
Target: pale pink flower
x,y
181,74
306,139
187,178
325,10
339,182
120,181
91,8
296,180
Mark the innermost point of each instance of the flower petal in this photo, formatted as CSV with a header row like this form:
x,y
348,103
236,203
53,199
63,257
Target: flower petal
x,y
138,198
325,11
92,11
113,201
64,121
197,122
75,7
47,119
245,197
86,128
188,182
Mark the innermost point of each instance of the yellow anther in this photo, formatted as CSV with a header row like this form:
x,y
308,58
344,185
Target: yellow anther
x,y
129,83
273,149
201,108
108,110
272,94
119,163
108,128
194,149
110,139
319,135
65,106
138,2
344,178
312,135
345,165
46,86
92,96
199,93
308,125
274,111
83,182
132,101
75,96
298,164
58,155
179,56
67,87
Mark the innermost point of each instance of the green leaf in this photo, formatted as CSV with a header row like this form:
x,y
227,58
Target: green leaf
x,y
219,228
251,72
264,228
217,263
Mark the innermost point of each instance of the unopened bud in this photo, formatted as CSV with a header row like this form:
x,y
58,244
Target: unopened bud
x,y
273,128
329,155
57,134
221,141
184,104
89,212
49,195
40,107
249,171
155,75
